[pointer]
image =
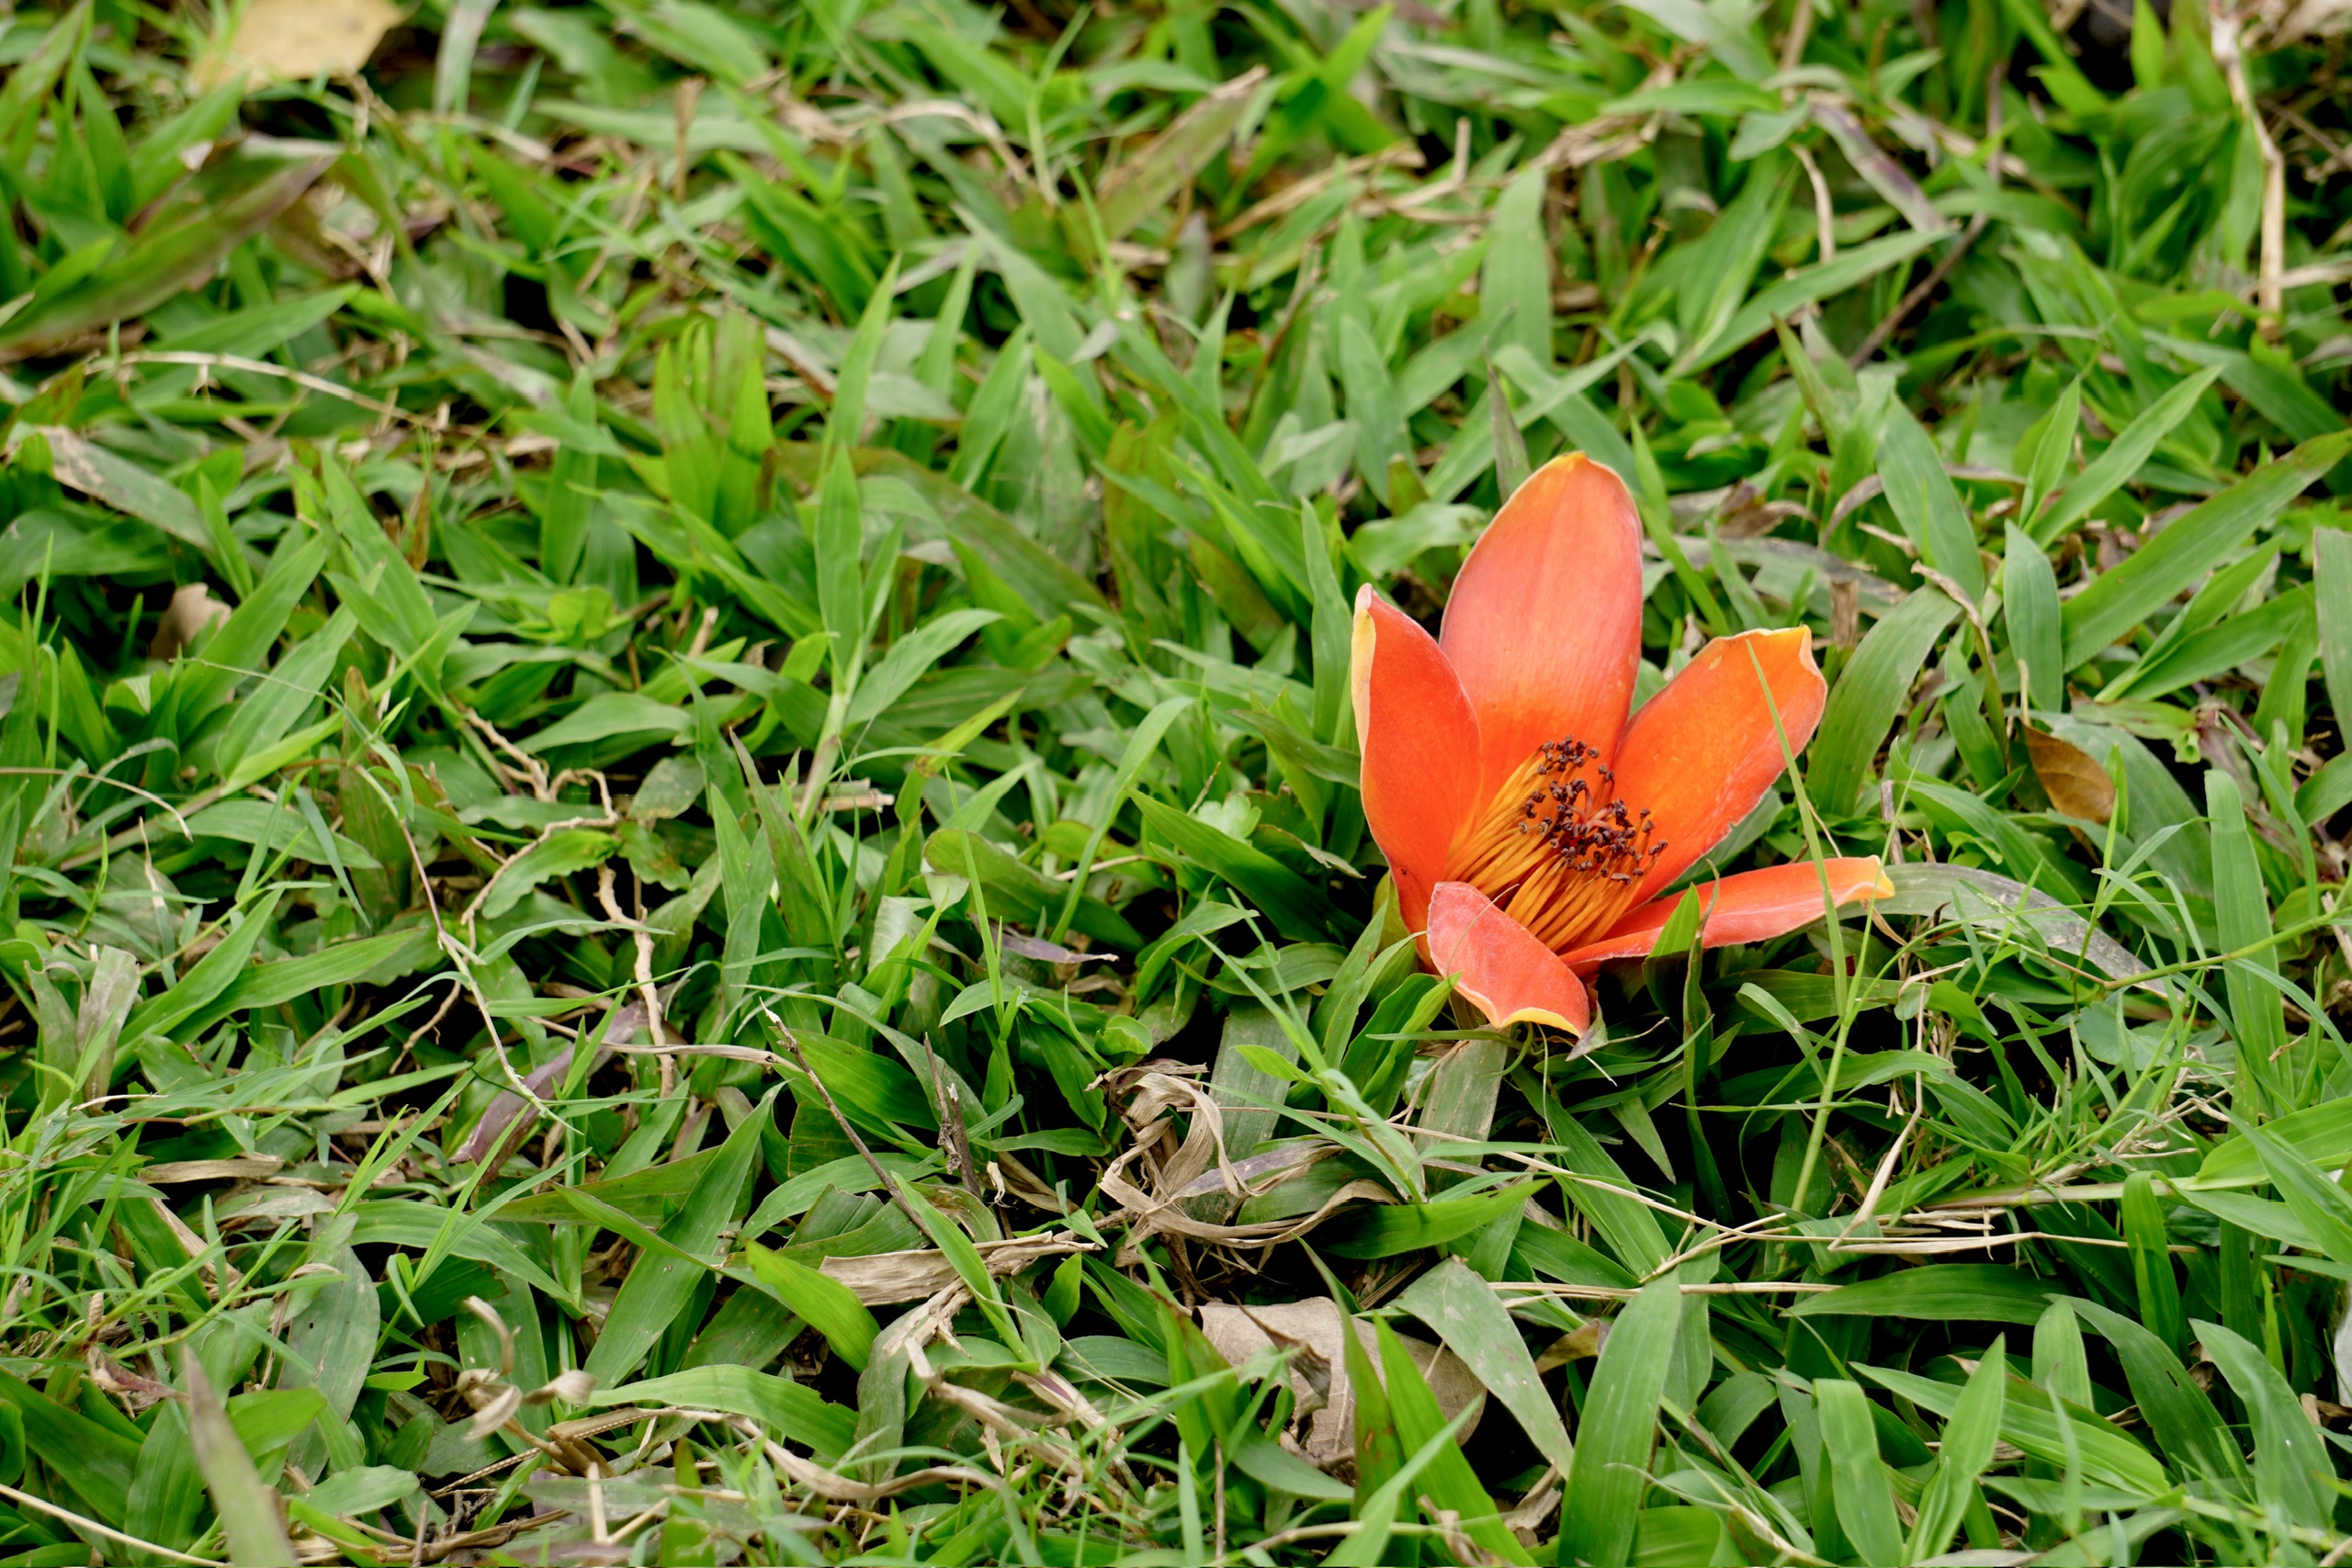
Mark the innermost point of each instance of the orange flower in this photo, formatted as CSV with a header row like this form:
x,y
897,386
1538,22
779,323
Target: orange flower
x,y
1531,822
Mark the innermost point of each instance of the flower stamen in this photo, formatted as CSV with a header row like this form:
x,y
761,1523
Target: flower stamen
x,y
1556,848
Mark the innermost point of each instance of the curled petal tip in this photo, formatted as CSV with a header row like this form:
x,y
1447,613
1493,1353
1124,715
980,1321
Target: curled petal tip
x,y
1796,640
1502,1014
1571,462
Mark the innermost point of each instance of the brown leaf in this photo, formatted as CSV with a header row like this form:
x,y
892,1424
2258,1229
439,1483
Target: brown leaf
x,y
112,1377
1746,514
1313,1326
1580,1344
2076,784
192,610
882,1278
280,40
240,1169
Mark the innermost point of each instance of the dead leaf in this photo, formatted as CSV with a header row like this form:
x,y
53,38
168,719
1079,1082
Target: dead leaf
x,y
497,1130
1580,1344
573,1387
292,40
2078,785
1746,514
249,1204
192,609
1043,951
240,1169
1239,1333
881,1277
1845,614
1307,1364
112,1377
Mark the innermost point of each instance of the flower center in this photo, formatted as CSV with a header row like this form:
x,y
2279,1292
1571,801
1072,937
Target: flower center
x,y
1556,848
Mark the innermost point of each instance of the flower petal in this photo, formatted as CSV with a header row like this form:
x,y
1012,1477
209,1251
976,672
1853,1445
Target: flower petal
x,y
1754,906
1510,976
1420,743
1702,753
1544,624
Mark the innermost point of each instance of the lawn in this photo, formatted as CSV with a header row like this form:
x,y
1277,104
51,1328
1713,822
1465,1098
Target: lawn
x,y
849,781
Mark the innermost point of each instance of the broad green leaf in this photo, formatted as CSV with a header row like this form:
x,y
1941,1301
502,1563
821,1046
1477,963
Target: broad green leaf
x,y
1973,1292
1018,891
910,658
1142,744
34,77
2242,920
266,985
1865,1492
2119,599
1169,161
1968,1441
794,1412
2292,1469
1620,1417
2332,582
1296,907
76,460
247,1508
1370,1545
1784,298
1868,697
189,235
608,714
166,1502
658,1286
1515,283
2046,449
96,1461
2123,458
561,854
841,584
1463,1308
965,1259
2152,1270
823,1302
2178,1415
1927,504
1448,1481
1385,1230
207,978
2029,601
2105,1453
2318,1204
2320,1134
333,1339
563,516
265,714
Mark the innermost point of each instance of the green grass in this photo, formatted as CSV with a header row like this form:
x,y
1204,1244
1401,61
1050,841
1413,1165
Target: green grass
x,y
676,765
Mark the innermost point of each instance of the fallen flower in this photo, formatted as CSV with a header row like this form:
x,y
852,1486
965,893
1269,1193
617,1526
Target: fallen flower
x,y
1530,817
